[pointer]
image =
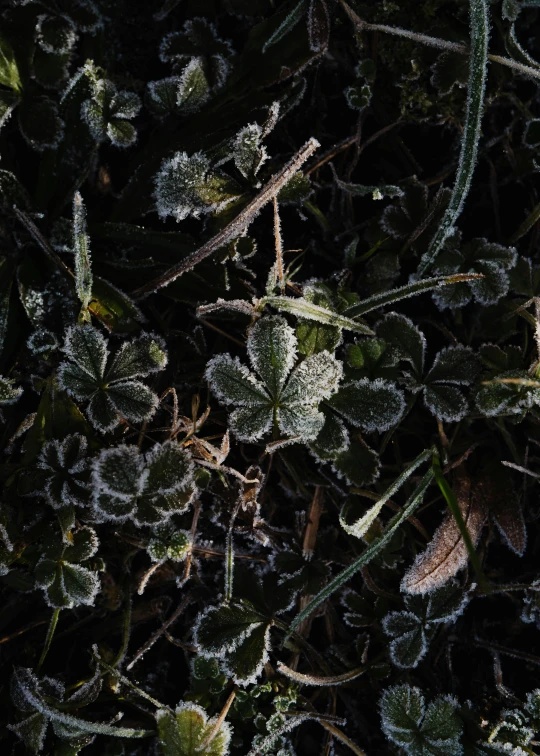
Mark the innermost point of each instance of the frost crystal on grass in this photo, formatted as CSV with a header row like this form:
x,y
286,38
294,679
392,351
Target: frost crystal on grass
x,y
146,488
281,398
8,393
108,385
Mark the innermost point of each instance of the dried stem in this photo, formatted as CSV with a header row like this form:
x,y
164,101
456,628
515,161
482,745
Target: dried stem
x,y
237,226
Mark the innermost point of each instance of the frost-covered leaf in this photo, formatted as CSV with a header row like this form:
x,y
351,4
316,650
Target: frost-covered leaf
x,y
169,542
409,639
184,732
332,439
147,488
40,124
107,111
272,350
457,364
61,572
8,392
186,186
421,732
199,38
499,397
42,342
447,553
162,95
237,632
193,87
409,629
291,405
492,261
55,33
371,405
359,465
248,151
407,341
32,731
289,21
318,24
304,308
107,384
495,488
65,471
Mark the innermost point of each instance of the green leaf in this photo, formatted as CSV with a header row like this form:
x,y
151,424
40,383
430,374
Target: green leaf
x,y
358,464
193,87
32,731
248,151
272,349
114,309
402,710
408,342
9,72
409,640
371,405
184,732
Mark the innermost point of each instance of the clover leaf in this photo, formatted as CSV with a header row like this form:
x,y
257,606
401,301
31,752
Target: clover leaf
x,y
107,384
421,732
144,487
169,542
275,395
452,367
477,256
412,629
65,471
61,571
38,698
238,632
185,731
108,111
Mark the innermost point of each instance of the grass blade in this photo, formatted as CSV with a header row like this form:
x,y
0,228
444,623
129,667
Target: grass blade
x,y
471,133
371,552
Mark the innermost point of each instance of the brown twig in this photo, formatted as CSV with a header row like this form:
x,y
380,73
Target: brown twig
x,y
236,227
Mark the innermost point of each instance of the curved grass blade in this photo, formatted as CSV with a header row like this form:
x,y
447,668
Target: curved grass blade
x,y
334,585
409,290
479,24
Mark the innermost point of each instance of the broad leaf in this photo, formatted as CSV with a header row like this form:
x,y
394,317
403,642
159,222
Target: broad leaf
x,y
184,732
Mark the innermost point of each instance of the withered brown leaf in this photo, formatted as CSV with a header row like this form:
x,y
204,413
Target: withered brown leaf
x,y
447,553
495,487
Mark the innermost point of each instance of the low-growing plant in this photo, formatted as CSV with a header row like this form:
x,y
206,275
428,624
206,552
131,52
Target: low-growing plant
x,y
269,377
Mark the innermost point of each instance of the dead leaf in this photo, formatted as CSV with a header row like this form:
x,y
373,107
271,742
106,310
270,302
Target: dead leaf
x,y
496,489
446,554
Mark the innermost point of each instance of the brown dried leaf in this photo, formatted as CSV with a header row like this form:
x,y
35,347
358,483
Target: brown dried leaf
x,y
498,494
447,552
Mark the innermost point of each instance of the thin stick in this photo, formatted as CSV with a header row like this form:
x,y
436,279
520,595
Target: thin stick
x,y
174,616
279,246
312,527
319,681
237,226
219,721
336,732
441,44
34,231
